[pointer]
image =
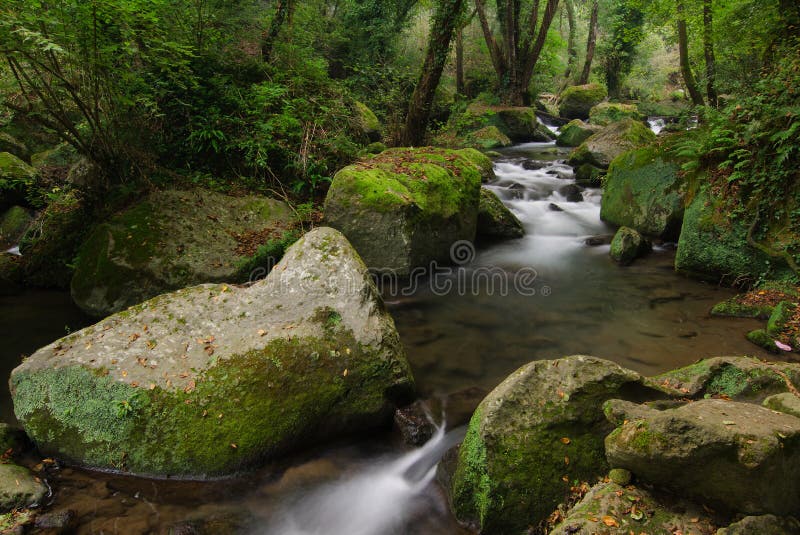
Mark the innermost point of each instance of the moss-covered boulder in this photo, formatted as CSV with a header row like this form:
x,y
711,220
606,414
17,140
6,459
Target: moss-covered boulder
x,y
734,456
578,100
211,379
613,509
576,132
787,403
519,124
714,246
738,378
531,437
175,239
606,113
588,175
780,333
367,121
643,190
12,145
495,221
13,224
628,245
406,207
62,156
759,302
762,525
18,488
487,138
16,179
602,148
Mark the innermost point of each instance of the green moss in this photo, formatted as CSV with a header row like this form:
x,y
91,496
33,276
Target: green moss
x,y
367,119
488,137
577,101
242,410
733,308
780,318
606,113
574,133
472,489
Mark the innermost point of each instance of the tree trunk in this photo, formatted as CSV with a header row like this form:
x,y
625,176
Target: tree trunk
x,y
572,52
708,46
683,50
445,21
591,42
283,14
460,82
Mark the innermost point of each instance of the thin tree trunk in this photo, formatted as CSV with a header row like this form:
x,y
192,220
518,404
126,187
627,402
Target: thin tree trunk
x,y
445,21
591,42
460,82
683,51
572,52
283,14
708,46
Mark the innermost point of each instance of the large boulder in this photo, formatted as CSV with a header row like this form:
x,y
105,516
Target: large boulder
x,y
487,138
627,246
606,113
520,124
18,488
495,221
576,132
578,100
609,508
13,224
211,379
736,456
643,190
16,179
405,208
367,121
762,525
175,239
738,378
541,429
602,148
714,246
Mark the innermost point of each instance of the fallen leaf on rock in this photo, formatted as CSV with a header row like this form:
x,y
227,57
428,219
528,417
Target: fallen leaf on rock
x,y
261,332
565,440
610,522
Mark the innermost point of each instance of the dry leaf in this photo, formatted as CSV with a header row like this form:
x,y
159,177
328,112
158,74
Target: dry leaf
x,y
610,522
261,332
565,440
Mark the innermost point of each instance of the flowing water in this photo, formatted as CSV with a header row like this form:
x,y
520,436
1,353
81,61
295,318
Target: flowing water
x,y
546,295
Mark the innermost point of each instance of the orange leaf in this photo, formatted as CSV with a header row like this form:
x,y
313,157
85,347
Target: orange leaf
x,y
610,522
565,440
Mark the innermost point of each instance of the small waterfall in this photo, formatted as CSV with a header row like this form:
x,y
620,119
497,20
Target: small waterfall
x,y
656,124
378,500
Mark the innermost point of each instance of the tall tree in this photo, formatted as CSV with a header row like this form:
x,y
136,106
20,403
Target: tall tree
x,y
572,51
708,47
516,50
683,52
283,15
446,19
625,31
591,42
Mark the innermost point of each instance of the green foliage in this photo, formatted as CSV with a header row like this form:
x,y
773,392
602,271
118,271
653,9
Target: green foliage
x,y
624,20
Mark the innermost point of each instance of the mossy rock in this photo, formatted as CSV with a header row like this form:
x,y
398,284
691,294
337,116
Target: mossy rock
x,y
12,145
662,109
63,155
730,455
519,124
531,437
213,379
633,510
18,488
576,132
406,207
733,308
787,403
775,332
588,175
738,378
51,243
367,121
175,239
643,190
602,148
13,224
495,220
762,525
16,180
487,138
628,245
606,113
578,100
713,246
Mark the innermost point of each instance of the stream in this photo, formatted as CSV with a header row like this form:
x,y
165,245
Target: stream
x,y
546,295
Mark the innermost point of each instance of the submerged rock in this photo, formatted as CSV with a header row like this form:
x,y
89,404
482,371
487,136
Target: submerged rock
x,y
405,208
572,192
610,508
578,100
532,436
495,221
602,148
18,488
175,239
627,246
211,379
644,191
576,132
737,456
